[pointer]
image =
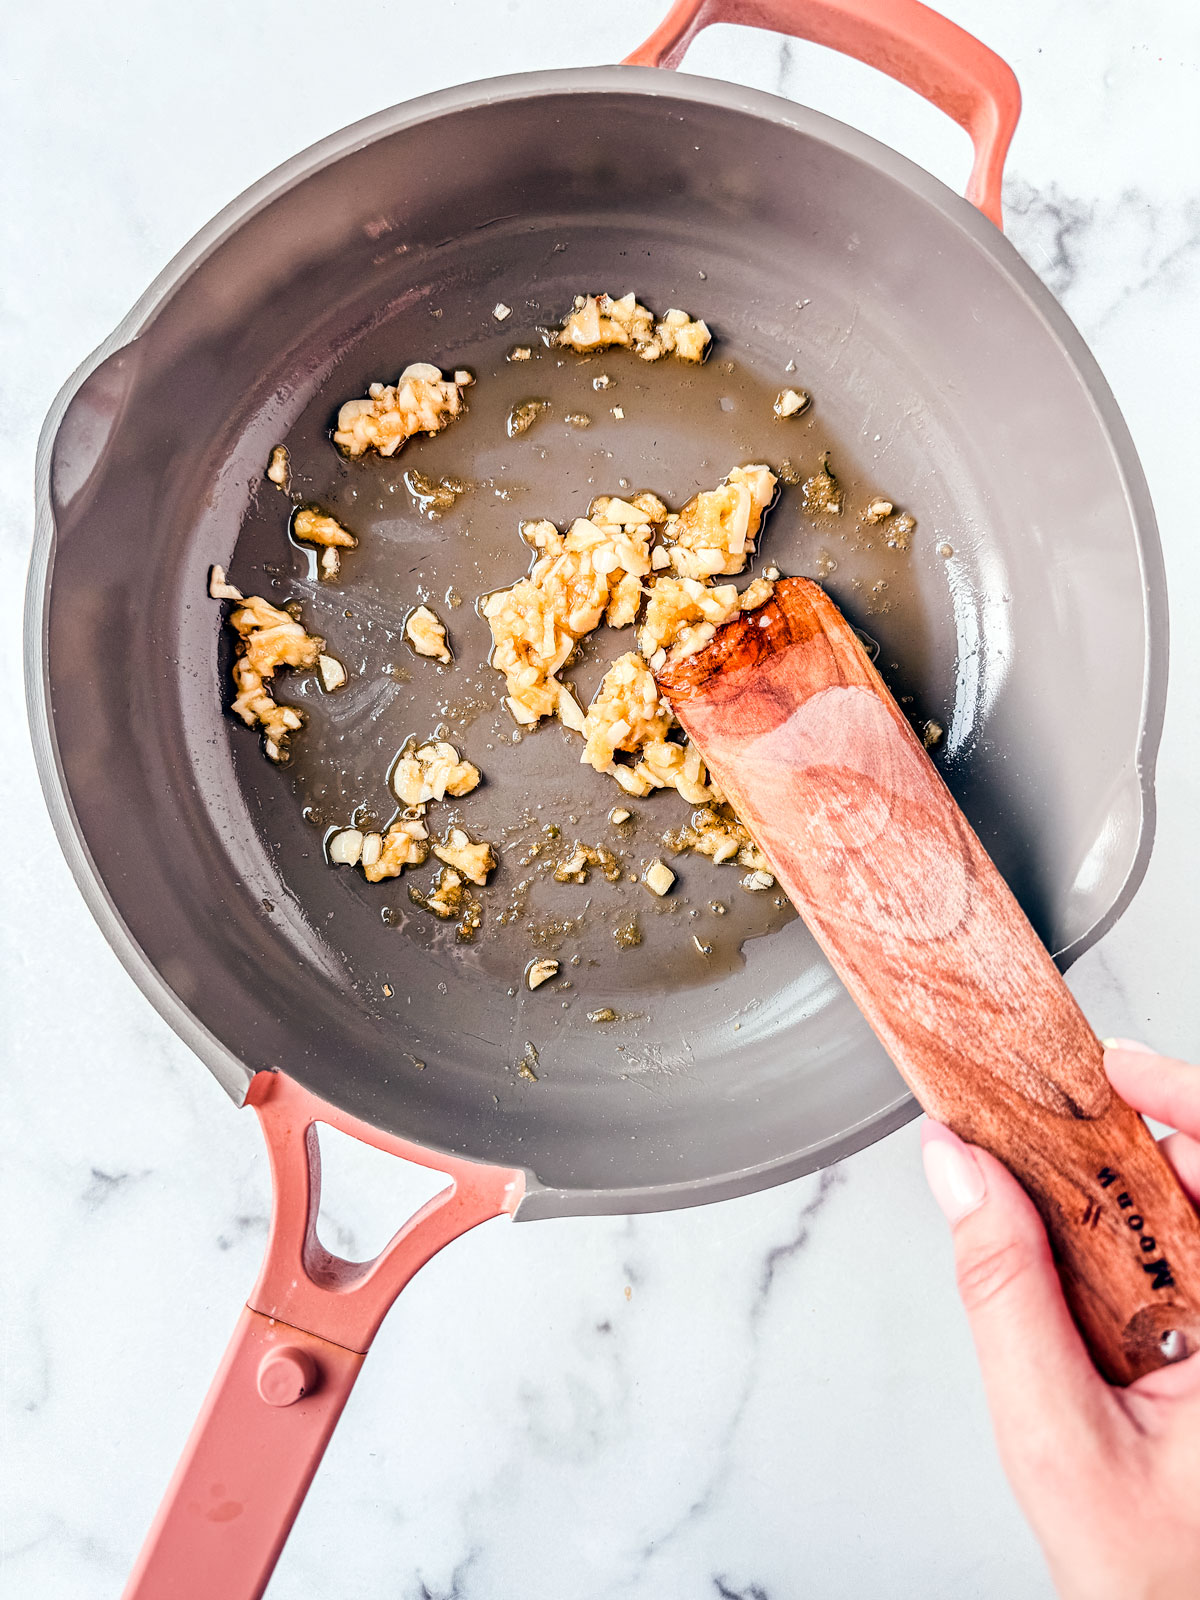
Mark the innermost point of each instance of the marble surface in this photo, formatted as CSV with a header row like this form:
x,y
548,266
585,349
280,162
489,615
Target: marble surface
x,y
769,1398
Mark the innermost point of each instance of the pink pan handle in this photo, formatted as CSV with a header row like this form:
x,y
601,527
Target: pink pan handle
x,y
294,1356
908,41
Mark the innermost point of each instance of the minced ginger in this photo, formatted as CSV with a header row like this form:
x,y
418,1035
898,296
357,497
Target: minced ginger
x,y
598,321
420,401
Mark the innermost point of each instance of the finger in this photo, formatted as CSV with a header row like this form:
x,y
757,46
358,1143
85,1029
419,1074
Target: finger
x,y
1183,1152
1157,1086
1039,1378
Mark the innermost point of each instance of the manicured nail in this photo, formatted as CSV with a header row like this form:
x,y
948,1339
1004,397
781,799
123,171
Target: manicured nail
x,y
952,1172
1128,1044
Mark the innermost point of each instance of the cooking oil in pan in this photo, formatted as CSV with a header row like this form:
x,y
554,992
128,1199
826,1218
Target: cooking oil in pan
x,y
438,525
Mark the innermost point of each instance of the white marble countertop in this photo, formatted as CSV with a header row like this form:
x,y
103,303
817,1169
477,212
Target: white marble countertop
x,y
697,1404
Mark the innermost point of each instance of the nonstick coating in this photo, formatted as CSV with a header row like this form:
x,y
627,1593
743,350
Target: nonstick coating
x,y
943,376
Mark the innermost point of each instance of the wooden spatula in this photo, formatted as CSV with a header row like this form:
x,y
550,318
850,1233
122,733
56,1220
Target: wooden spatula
x,y
799,730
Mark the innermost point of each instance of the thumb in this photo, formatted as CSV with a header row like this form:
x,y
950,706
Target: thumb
x,y
1037,1372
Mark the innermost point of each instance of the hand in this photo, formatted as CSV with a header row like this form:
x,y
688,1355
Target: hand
x,y
1108,1478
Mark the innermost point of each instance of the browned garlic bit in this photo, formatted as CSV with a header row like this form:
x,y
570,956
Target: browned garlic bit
x,y
718,833
427,635
279,467
459,851
876,510
267,640
791,402
682,614
405,844
312,526
523,416
625,714
595,568
900,529
420,401
822,492
628,715
715,533
435,495
598,322
448,898
539,972
576,867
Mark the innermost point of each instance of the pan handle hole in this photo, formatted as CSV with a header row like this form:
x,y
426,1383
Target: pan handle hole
x,y
367,1194
1173,1345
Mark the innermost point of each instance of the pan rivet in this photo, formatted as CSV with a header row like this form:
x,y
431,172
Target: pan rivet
x,y
286,1375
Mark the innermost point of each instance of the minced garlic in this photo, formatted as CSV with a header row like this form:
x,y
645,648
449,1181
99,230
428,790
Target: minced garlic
x,y
279,467
218,588
473,860
345,847
420,401
576,867
683,614
597,322
715,532
600,570
267,640
590,573
431,772
822,492
718,833
626,712
333,673
539,972
427,634
658,877
406,844
311,526
791,402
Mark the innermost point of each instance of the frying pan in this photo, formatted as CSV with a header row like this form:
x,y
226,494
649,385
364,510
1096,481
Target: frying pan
x,y
945,376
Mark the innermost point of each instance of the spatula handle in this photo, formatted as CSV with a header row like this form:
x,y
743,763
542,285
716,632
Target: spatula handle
x,y
883,866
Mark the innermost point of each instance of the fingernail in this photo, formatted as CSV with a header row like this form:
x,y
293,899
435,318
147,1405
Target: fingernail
x,y
952,1173
1127,1044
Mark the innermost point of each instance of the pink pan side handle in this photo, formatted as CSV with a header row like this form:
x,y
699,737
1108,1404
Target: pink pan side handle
x,y
296,1351
920,48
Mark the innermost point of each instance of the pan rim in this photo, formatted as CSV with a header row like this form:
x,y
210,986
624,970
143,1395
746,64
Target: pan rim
x,y
229,1070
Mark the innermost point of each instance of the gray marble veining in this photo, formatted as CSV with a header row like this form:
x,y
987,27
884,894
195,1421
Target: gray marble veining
x,y
755,1401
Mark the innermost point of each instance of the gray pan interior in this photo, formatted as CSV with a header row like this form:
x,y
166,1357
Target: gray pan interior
x,y
944,377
